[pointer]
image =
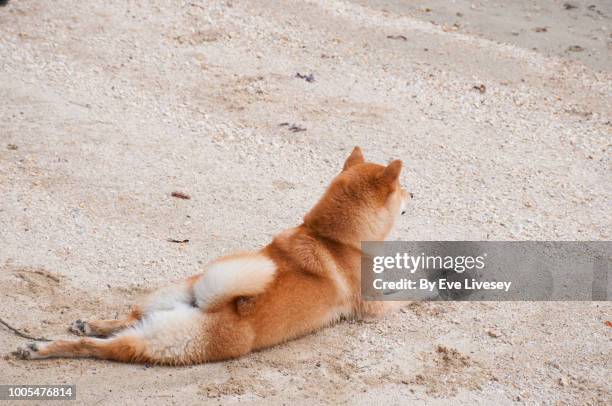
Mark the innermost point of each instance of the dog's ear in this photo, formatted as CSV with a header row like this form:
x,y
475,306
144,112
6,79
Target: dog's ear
x,y
392,171
355,158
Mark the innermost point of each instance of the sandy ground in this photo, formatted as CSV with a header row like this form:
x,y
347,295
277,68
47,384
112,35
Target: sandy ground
x,y
577,29
108,107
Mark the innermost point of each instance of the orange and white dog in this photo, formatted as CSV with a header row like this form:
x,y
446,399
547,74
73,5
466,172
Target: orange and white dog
x,y
307,278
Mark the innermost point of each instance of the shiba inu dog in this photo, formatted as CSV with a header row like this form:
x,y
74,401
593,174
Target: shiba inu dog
x,y
307,278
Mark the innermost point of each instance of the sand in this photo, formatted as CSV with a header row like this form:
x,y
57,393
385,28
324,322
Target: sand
x,y
109,107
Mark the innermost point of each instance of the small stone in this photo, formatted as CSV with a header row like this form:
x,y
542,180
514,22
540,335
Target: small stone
x,y
493,333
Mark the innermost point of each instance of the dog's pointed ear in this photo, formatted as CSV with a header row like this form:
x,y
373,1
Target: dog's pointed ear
x,y
355,158
392,171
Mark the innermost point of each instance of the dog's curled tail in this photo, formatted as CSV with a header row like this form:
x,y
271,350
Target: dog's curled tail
x,y
229,277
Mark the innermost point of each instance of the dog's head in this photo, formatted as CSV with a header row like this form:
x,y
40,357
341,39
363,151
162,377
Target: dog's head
x,y
362,203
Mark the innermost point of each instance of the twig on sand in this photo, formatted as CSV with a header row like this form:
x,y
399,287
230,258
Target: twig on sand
x,y
22,334
296,128
177,241
181,195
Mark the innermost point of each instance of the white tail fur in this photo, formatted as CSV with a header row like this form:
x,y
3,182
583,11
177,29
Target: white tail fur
x,y
243,275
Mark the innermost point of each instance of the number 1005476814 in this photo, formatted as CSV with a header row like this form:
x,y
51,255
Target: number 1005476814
x,y
39,392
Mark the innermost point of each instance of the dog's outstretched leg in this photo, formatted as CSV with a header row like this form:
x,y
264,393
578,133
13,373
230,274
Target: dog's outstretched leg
x,y
125,349
103,328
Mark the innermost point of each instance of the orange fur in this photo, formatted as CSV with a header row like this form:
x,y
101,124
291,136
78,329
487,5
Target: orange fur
x,y
307,278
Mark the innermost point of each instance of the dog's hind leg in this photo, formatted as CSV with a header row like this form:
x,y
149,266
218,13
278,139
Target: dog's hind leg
x,y
125,349
103,328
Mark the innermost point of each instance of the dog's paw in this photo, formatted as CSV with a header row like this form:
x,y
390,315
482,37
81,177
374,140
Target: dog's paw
x,y
80,328
29,351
